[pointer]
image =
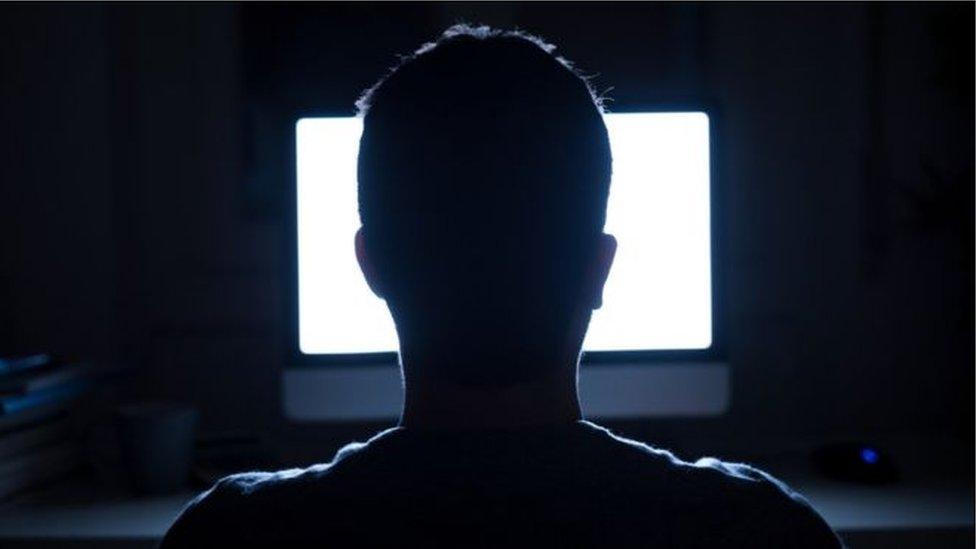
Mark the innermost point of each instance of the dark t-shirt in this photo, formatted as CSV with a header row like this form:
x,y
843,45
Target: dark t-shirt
x,y
575,485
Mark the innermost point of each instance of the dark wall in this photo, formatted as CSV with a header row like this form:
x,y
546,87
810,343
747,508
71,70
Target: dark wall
x,y
135,227
56,198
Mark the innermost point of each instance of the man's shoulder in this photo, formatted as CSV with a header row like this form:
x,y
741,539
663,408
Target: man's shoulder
x,y
701,478
243,506
741,501
240,506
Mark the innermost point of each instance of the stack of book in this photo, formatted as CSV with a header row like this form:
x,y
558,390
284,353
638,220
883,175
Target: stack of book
x,y
38,430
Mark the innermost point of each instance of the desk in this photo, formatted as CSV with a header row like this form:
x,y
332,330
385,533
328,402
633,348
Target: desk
x,y
910,514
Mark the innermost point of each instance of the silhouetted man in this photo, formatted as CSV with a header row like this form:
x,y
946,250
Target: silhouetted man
x,y
484,170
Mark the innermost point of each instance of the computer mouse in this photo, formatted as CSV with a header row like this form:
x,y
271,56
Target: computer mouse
x,y
855,462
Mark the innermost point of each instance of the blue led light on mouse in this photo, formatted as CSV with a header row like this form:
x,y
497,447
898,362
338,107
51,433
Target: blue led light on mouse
x,y
869,455
855,462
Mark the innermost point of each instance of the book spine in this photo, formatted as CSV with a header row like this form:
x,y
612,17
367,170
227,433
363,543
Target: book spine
x,y
66,391
37,459
24,363
58,377
37,468
30,416
24,440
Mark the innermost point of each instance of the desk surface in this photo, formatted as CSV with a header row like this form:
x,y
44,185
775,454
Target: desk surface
x,y
80,511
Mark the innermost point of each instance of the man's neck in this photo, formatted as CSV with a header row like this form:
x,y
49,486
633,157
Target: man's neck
x,y
443,405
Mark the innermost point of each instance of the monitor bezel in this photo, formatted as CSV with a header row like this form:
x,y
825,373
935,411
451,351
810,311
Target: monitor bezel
x,y
714,353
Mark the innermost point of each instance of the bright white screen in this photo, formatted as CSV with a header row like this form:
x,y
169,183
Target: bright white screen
x,y
658,295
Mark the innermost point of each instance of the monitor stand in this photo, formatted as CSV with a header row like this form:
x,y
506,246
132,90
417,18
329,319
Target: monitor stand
x,y
617,391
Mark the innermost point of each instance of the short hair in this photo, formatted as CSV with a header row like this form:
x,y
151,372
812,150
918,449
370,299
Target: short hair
x,y
484,170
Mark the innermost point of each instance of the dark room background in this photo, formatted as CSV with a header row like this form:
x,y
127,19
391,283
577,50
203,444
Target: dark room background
x,y
138,227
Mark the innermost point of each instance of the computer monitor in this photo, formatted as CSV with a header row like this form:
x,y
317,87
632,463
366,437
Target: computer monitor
x,y
657,324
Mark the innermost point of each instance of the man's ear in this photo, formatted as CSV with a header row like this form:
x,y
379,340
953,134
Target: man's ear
x,y
369,272
606,251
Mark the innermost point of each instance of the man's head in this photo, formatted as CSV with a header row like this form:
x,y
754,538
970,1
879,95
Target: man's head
x,y
484,169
